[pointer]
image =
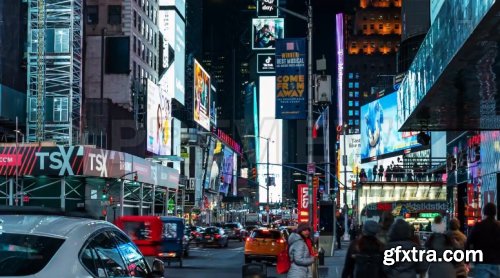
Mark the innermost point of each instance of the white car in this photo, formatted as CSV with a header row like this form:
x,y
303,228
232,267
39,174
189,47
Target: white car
x,y
40,243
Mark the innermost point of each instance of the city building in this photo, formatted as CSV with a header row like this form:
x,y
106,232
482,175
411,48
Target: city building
x,y
55,71
13,38
450,86
372,37
122,46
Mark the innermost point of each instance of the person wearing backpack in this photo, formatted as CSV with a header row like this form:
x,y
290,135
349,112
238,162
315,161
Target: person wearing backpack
x,y
300,256
364,256
440,242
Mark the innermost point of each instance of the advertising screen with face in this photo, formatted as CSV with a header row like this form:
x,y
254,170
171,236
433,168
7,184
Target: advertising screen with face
x,y
379,129
159,119
201,101
266,31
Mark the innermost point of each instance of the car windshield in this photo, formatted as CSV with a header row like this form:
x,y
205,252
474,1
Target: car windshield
x,y
266,234
230,226
22,255
211,230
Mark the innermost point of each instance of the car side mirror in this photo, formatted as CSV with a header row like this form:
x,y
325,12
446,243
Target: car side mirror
x,y
158,269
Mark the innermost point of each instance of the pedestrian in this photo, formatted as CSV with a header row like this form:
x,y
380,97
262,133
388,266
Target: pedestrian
x,y
364,256
362,176
459,240
300,255
375,172
388,175
380,172
386,221
485,236
440,242
400,235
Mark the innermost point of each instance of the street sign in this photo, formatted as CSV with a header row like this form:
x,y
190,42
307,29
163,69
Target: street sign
x,y
311,168
26,199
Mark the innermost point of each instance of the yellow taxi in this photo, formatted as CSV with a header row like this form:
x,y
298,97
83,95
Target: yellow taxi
x,y
264,245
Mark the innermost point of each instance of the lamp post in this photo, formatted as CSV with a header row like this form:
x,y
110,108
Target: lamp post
x,y
18,192
344,163
267,170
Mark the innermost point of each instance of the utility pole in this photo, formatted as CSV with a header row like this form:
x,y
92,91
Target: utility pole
x,y
344,163
267,181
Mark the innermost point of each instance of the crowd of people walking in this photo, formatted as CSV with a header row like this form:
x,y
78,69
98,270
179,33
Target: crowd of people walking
x,y
365,256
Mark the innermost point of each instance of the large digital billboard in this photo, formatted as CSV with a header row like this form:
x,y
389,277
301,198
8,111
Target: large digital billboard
x,y
265,32
353,150
159,119
272,129
379,129
267,8
201,101
173,52
339,36
291,73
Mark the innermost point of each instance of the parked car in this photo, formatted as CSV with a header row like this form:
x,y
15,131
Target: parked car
x,y
40,242
214,236
264,245
233,231
195,233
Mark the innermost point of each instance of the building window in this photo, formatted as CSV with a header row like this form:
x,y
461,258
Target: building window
x,y
61,41
92,14
60,109
350,94
32,109
356,103
135,19
356,112
350,122
372,26
350,85
381,26
356,94
356,85
351,113
396,26
114,14
356,122
365,27
134,65
350,103
135,44
351,75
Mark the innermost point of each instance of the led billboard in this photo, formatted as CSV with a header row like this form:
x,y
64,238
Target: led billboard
x,y
173,52
379,129
271,128
291,75
353,150
265,32
180,5
159,119
201,101
267,8
339,36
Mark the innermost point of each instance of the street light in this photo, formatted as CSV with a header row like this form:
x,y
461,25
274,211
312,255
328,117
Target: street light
x,y
267,169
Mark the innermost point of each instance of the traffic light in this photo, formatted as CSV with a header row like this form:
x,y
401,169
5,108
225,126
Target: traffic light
x,y
254,173
315,182
104,195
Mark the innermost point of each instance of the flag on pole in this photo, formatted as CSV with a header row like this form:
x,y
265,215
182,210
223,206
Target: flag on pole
x,y
317,125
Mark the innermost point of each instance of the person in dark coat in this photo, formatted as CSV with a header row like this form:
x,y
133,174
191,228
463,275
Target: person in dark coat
x,y
300,255
400,236
441,243
339,232
380,172
386,221
375,172
458,240
485,236
364,256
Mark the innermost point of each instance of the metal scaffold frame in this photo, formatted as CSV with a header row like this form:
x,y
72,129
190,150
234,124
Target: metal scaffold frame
x,y
54,73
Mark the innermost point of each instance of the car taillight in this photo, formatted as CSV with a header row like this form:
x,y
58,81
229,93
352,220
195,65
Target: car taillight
x,y
217,236
249,239
280,241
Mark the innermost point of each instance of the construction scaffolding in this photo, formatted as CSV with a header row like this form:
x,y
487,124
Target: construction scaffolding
x,y
54,71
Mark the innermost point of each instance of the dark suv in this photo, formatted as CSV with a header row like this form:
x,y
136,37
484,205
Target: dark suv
x,y
233,230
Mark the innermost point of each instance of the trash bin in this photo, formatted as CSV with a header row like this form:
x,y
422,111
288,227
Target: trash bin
x,y
254,270
321,256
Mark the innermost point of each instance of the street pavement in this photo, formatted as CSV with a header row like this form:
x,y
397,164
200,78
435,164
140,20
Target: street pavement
x,y
228,262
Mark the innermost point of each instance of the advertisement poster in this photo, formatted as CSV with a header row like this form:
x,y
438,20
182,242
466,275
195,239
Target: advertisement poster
x,y
379,129
201,102
213,106
172,58
227,171
266,63
159,119
267,8
353,149
291,77
265,32
303,205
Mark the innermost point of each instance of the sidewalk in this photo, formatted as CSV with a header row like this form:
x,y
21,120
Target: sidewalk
x,y
334,265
